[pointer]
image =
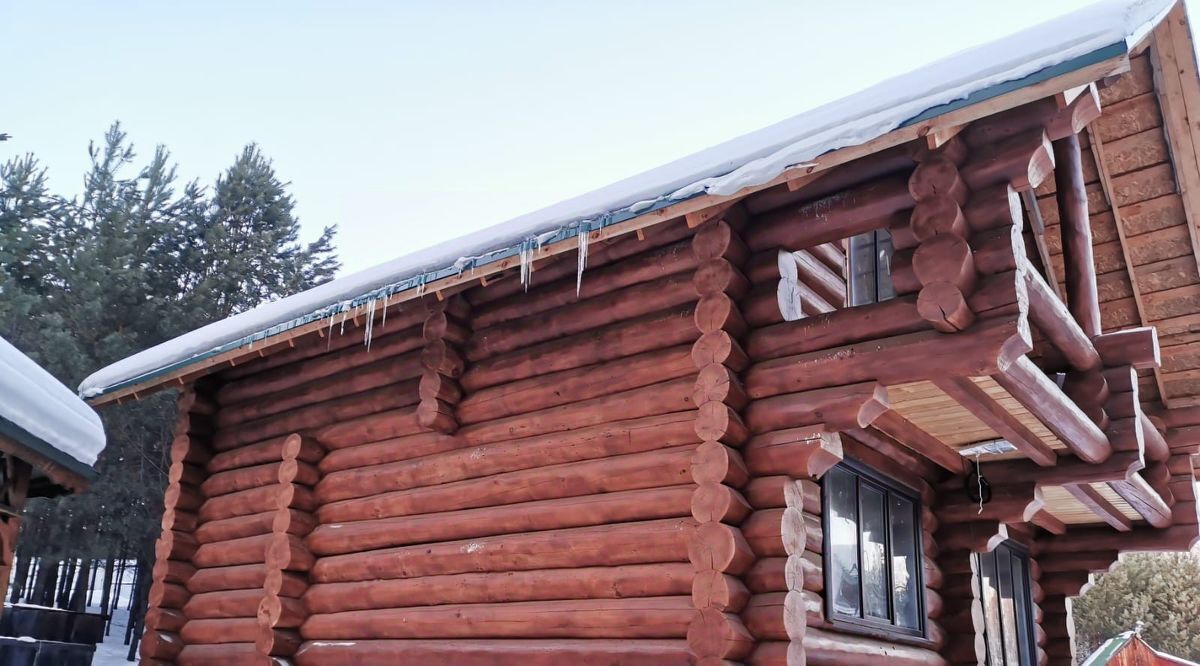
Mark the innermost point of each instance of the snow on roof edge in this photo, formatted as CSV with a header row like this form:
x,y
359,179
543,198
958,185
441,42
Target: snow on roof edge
x,y
1076,39
40,412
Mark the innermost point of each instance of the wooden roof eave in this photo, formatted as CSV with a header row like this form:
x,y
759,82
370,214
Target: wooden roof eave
x,y
938,122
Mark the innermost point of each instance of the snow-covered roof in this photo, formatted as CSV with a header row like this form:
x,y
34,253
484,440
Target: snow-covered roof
x,y
1073,41
38,412
1110,648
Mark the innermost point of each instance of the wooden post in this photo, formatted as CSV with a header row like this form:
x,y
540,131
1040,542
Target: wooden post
x,y
1080,265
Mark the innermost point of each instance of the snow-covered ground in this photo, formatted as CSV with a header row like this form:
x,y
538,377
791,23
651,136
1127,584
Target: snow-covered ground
x,y
113,650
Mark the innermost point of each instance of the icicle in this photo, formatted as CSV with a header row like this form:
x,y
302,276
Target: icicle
x,y
370,327
329,334
525,263
583,253
342,330
383,324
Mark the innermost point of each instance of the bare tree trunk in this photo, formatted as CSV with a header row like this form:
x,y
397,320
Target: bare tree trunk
x,y
63,598
116,598
106,594
47,583
21,578
33,574
78,601
95,565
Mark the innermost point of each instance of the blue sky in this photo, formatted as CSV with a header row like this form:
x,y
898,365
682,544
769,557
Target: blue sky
x,y
408,123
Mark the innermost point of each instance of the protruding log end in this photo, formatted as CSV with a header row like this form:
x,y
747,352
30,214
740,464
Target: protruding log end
x,y
437,416
714,462
718,591
719,547
719,348
717,422
945,258
945,307
937,177
937,215
719,635
718,312
440,357
718,276
717,239
434,386
717,503
717,383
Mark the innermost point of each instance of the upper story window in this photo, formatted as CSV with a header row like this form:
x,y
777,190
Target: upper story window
x,y
1003,579
873,561
870,261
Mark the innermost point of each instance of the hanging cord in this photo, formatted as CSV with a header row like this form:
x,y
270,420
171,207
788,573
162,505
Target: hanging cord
x,y
979,479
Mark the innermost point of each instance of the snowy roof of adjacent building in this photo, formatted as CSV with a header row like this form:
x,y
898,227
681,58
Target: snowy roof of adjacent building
x,y
39,412
1070,42
1113,646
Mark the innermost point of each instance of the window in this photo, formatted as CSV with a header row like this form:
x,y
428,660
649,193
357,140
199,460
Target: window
x,y
872,552
1003,578
871,268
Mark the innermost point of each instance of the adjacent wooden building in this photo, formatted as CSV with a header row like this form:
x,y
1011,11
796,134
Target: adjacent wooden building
x,y
893,405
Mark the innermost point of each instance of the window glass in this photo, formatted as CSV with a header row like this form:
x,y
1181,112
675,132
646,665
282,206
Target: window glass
x,y
871,268
872,552
905,560
1004,591
841,488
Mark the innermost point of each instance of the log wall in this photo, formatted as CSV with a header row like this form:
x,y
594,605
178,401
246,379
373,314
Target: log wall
x,y
623,468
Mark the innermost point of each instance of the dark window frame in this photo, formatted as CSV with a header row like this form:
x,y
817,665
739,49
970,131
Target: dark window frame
x,y
1023,606
880,287
863,624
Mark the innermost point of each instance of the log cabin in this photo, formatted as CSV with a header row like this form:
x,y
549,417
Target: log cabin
x,y
49,442
884,383
1128,649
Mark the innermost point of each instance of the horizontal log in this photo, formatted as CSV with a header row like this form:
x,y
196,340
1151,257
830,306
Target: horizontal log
x,y
1068,470
249,576
263,452
848,406
653,264
1009,504
227,630
225,604
985,349
356,379
1140,538
649,617
631,302
218,653
782,532
1047,113
866,322
672,326
642,580
1023,161
663,398
651,469
601,441
610,545
320,415
1135,346
606,508
1144,499
841,215
827,648
251,550
780,616
245,478
311,370
567,386
798,452
1041,396
258,500
292,521
501,652
909,435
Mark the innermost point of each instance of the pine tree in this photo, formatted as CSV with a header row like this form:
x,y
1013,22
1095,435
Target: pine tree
x,y
1160,590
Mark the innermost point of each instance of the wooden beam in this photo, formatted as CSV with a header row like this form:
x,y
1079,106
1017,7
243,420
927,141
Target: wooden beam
x,y
1056,322
1118,467
1133,346
1049,522
1141,538
1144,499
1038,227
1042,397
1099,505
968,394
1076,229
907,433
